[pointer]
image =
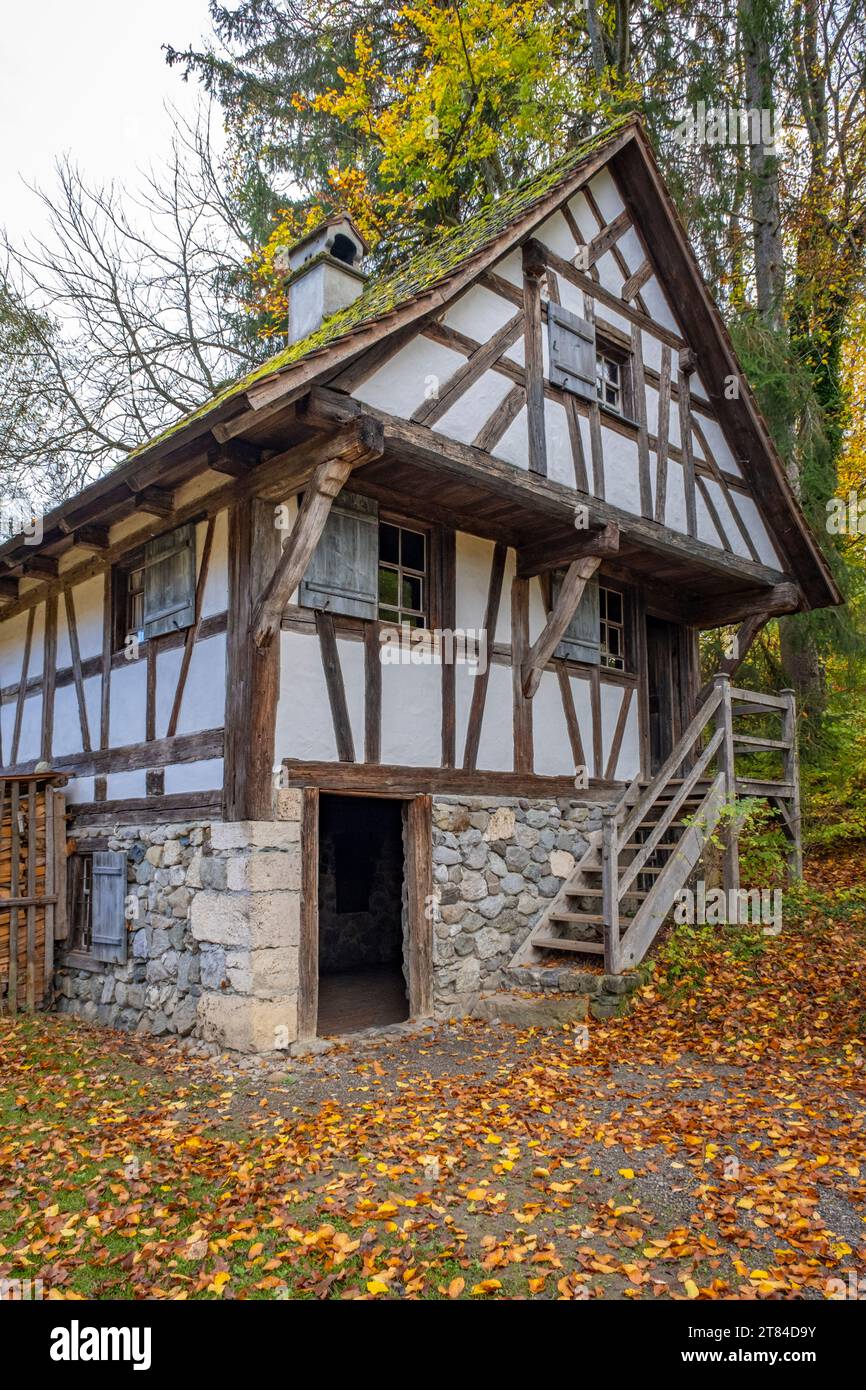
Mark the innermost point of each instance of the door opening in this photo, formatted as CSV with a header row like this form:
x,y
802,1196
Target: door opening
x,y
664,681
363,970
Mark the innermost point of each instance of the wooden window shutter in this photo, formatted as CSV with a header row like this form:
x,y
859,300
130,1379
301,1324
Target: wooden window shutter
x,y
108,908
169,582
343,575
580,641
571,342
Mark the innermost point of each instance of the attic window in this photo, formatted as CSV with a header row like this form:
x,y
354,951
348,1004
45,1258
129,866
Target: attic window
x,y
613,379
154,588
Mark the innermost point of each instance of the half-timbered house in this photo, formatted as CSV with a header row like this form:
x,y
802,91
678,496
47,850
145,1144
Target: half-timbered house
x,y
374,682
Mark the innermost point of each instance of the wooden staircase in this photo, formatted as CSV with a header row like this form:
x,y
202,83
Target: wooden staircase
x,y
620,892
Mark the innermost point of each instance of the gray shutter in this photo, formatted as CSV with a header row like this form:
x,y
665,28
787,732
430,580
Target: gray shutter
x,y
108,906
343,575
581,640
169,582
571,342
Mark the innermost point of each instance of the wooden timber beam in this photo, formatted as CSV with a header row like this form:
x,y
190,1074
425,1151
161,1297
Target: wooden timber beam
x,y
45,566
534,271
722,609
350,449
542,557
729,665
157,501
235,457
8,588
573,585
91,537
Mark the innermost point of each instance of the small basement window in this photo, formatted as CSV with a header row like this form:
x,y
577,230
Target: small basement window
x,y
403,575
96,904
80,893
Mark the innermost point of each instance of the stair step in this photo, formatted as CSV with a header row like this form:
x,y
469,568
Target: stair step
x,y
599,893
558,943
662,844
756,707
592,917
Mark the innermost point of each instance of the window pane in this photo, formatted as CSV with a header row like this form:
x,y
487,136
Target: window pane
x,y
614,605
612,369
387,586
411,592
613,641
413,550
389,615
389,541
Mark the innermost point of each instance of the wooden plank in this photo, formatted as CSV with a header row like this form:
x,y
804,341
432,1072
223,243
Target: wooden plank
x,y
571,721
76,668
639,383
544,556
14,892
183,748
31,894
618,733
144,810
576,577
791,774
150,696
447,621
419,904
636,282
595,704
154,782
522,707
479,688
105,682
504,415
22,688
610,891
533,270
336,688
685,409
731,607
49,670
372,693
384,779
606,238
192,632
308,959
596,448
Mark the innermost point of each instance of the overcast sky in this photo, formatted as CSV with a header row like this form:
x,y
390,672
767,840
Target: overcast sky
x,y
87,77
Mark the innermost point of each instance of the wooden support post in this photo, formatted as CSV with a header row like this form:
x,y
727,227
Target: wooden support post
x,y
577,575
308,963
522,708
730,665
534,269
610,889
361,442
792,774
726,756
419,891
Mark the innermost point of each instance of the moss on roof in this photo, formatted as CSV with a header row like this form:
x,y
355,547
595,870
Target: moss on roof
x,y
422,272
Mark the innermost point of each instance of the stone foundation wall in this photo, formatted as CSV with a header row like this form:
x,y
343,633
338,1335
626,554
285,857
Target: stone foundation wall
x,y
158,988
497,862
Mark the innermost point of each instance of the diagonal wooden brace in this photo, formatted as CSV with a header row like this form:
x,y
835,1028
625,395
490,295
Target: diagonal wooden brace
x,y
573,585
355,445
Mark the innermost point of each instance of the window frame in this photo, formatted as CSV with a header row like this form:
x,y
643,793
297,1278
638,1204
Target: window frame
x,y
606,350
134,562
627,627
427,575
78,954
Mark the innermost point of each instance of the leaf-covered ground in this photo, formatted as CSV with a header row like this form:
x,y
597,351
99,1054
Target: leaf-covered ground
x,y
709,1146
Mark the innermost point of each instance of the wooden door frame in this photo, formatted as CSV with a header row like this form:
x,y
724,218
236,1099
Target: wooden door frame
x,y
418,879
682,690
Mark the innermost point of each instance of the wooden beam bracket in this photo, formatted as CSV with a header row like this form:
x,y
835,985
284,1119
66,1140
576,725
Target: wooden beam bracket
x,y
573,585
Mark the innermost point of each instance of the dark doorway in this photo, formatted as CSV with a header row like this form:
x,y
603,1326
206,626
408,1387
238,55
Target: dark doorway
x,y
362,980
667,686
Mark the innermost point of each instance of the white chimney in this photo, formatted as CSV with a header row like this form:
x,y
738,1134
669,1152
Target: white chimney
x,y
323,273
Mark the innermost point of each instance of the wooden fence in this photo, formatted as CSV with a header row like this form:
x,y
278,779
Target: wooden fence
x,y
32,887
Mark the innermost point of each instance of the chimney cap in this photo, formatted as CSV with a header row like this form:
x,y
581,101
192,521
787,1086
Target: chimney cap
x,y
335,236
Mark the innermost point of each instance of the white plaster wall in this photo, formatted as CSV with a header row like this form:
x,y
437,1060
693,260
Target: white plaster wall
x,y
621,472
496,745
606,195
479,313
474,558
412,715
351,656
304,728
128,704
120,786
216,590
31,729
757,530
79,789
552,750
204,695
402,384
471,410
581,692
205,774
